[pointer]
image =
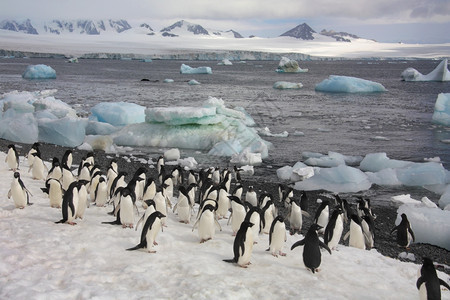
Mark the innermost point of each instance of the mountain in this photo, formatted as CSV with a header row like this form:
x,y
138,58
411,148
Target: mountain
x,y
24,26
183,28
339,36
89,27
302,31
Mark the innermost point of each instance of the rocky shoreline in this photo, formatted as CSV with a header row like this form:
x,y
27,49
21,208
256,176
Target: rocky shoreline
x,y
386,214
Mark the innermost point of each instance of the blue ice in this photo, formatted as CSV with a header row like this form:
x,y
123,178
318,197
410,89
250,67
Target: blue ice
x,y
185,69
39,72
118,113
347,84
441,113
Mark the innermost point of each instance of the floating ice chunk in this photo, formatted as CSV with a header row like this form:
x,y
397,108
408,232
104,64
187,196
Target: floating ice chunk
x,y
298,172
100,128
225,62
375,162
188,163
100,142
118,113
266,132
340,179
193,82
185,69
172,154
69,132
440,73
333,159
347,84
287,65
421,174
72,60
386,177
430,225
247,170
284,85
284,173
19,127
168,80
39,72
444,201
182,115
441,113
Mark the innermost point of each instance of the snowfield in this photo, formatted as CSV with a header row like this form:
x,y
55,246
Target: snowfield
x,y
44,260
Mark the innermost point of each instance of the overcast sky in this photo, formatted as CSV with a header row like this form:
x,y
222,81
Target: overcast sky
x,y
412,21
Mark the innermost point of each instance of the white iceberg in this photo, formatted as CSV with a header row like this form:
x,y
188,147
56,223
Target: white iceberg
x,y
172,154
225,62
347,84
440,73
185,69
118,113
298,172
39,72
444,201
287,65
193,82
441,114
284,85
246,157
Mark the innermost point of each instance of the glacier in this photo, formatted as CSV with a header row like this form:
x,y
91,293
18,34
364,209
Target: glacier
x,y
348,84
288,65
39,72
185,69
440,73
441,114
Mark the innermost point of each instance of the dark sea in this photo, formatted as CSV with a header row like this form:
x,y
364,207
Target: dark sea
x,y
397,122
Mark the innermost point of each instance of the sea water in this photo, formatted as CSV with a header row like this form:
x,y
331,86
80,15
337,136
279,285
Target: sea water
x,y
397,122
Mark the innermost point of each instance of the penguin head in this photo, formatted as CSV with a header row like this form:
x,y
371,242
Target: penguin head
x,y
315,227
404,218
101,179
150,202
279,219
159,214
16,175
355,219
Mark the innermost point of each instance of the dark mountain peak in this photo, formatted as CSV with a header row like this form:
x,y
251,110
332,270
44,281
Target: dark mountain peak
x,y
339,36
190,27
302,31
119,25
24,26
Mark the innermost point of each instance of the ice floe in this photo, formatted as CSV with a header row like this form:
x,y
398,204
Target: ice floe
x,y
185,69
288,65
348,84
39,72
440,73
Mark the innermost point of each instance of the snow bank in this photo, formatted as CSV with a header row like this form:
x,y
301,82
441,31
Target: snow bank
x,y
284,85
441,113
440,73
347,84
185,69
39,72
287,65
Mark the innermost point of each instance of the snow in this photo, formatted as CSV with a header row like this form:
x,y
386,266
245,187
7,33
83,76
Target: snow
x,y
287,65
348,84
440,73
441,114
39,72
118,113
41,259
428,222
284,85
185,69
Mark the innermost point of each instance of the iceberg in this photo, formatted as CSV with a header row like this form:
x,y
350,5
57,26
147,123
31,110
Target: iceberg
x,y
441,114
440,73
118,113
347,84
284,85
375,162
225,62
444,201
185,69
39,72
287,65
193,82
66,131
172,154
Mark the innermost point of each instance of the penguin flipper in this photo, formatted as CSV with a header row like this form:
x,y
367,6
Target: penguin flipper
x,y
139,246
217,223
442,282
323,245
9,194
45,190
229,260
175,207
419,282
195,224
299,243
394,229
346,235
412,234
141,220
305,213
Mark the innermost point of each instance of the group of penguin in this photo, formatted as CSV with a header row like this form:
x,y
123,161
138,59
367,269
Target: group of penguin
x,y
210,190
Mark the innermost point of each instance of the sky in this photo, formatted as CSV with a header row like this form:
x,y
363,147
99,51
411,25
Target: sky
x,y
410,21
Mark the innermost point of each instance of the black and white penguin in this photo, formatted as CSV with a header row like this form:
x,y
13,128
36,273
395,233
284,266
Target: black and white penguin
x,y
277,236
405,234
149,232
263,199
69,204
429,283
160,164
237,174
238,212
322,215
238,189
140,177
254,216
177,175
38,168
242,245
223,202
149,189
368,228
206,223
127,205
101,192
355,233
268,213
311,250
54,190
251,197
162,203
12,158
19,193
183,206
83,202
151,208
34,149
67,176
67,159
295,216
95,178
304,202
333,231
84,171
111,174
55,171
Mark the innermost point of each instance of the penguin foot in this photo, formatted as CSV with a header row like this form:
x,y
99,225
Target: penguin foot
x,y
151,251
282,253
72,223
155,243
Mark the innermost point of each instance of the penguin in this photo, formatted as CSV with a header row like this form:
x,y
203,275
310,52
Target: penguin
x,y
295,216
90,158
67,176
127,205
149,232
159,164
161,204
111,174
216,176
69,204
151,208
263,199
177,175
38,168
84,173
277,236
238,212
118,183
368,228
55,171
12,158
355,233
267,216
287,196
19,193
82,199
191,190
311,250
238,191
227,180
192,177
168,182
237,174
183,206
54,190
333,231
140,177
223,202
95,179
34,149
254,216
429,283
101,192
251,197
149,189
304,201
67,159
322,214
405,233
242,245
206,223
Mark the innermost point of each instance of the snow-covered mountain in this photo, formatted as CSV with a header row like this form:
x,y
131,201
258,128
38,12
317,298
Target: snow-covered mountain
x,y
17,26
182,28
305,32
339,36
